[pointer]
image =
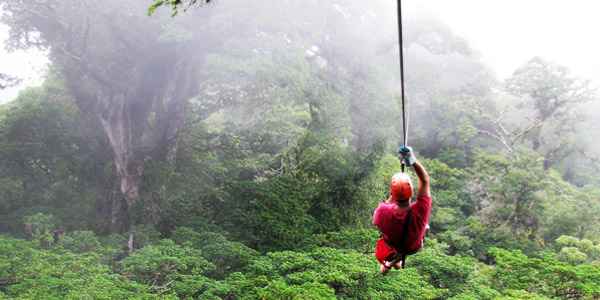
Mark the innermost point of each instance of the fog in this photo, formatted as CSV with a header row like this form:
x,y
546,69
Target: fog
x,y
504,33
195,155
124,68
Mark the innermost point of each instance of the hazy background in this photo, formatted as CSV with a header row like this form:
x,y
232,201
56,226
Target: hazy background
x,y
239,149
505,33
26,65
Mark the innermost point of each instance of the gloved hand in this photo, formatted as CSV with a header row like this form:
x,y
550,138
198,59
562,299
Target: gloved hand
x,y
407,155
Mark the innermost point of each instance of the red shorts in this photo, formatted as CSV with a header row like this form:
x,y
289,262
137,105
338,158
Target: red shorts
x,y
383,251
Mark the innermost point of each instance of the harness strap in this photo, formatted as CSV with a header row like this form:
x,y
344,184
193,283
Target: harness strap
x,y
405,234
402,252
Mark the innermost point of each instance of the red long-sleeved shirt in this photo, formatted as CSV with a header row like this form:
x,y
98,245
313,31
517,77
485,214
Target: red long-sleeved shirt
x,y
389,219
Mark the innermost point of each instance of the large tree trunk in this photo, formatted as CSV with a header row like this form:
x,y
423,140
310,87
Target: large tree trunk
x,y
117,124
111,207
111,212
121,69
143,126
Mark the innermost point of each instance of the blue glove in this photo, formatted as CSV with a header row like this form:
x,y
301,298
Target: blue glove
x,y
407,155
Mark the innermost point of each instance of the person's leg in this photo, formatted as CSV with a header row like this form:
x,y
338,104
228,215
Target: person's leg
x,y
383,269
386,266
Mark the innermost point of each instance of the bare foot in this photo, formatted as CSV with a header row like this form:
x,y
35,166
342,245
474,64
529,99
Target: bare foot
x,y
398,265
383,269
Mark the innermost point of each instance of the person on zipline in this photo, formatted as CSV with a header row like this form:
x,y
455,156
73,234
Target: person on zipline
x,y
402,224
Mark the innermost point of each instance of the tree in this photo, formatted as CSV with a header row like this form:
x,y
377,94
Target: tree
x,y
7,81
48,161
175,5
553,97
123,74
507,193
446,84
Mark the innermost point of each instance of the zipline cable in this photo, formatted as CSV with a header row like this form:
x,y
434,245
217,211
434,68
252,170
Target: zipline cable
x,y
401,52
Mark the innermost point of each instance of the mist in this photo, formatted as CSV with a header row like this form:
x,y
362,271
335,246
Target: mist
x,y
237,150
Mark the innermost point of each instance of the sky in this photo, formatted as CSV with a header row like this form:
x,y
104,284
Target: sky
x,y
26,65
506,33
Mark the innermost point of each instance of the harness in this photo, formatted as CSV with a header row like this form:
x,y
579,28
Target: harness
x,y
401,251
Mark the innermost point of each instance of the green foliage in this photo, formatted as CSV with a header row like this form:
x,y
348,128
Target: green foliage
x,y
145,235
281,290
274,213
570,211
81,241
376,186
164,261
550,93
40,224
508,194
444,271
478,285
452,202
265,173
11,191
572,255
227,256
457,242
29,273
43,157
175,5
545,275
336,171
350,274
566,241
167,270
361,240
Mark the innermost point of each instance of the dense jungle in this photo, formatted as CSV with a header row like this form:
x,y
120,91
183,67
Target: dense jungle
x,y
237,149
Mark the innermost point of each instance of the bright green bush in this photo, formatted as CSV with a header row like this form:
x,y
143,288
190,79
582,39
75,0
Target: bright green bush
x,y
572,255
522,295
574,250
457,242
595,252
444,271
567,241
544,275
170,271
477,285
227,256
361,240
279,289
157,264
40,227
274,214
443,217
281,156
29,273
585,245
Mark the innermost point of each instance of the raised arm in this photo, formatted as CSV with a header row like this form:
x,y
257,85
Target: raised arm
x,y
408,158
424,187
